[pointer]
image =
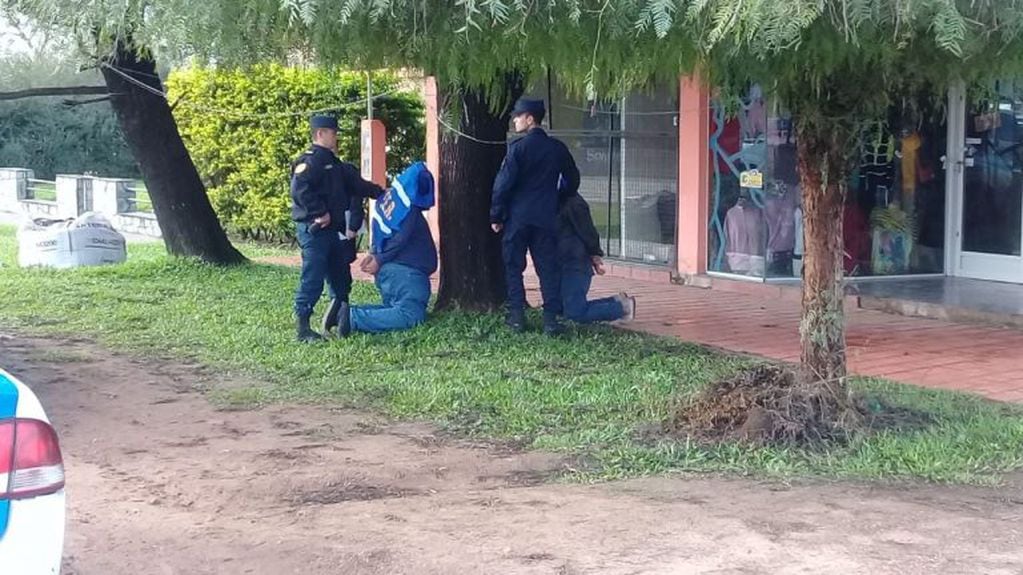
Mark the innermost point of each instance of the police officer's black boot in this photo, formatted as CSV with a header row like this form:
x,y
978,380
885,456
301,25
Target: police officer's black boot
x,y
305,333
551,325
516,320
344,319
330,318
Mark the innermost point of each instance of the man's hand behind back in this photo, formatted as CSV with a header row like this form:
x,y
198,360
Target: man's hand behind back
x,y
370,265
323,221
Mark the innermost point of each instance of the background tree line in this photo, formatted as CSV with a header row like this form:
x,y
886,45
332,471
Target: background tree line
x,y
242,127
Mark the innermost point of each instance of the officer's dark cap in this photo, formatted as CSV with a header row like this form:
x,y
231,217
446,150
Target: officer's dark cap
x,y
323,121
529,106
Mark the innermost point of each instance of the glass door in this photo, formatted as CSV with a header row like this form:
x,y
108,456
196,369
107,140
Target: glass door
x,y
989,167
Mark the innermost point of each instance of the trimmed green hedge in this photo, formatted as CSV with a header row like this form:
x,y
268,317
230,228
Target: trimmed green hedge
x,y
244,127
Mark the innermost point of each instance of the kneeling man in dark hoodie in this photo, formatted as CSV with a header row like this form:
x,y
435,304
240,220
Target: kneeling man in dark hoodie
x,y
580,256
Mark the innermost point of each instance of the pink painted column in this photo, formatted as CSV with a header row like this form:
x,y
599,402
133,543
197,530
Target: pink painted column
x,y
693,176
433,149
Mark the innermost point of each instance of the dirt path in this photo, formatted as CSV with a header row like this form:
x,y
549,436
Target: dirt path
x,y
159,482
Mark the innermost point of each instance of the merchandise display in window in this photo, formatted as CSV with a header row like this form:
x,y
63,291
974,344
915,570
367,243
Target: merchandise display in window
x,y
894,214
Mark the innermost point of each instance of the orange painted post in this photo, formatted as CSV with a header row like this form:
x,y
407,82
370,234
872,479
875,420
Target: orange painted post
x,y
693,176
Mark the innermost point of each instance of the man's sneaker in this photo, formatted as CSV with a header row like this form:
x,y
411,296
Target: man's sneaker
x,y
516,320
629,306
330,318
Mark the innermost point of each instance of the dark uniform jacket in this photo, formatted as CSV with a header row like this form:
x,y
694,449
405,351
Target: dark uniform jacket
x,y
578,240
526,188
322,183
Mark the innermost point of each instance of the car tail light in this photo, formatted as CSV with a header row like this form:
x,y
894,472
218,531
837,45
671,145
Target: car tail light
x,y
30,459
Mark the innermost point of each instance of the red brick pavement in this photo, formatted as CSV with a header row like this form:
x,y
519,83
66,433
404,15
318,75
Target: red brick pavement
x,y
931,353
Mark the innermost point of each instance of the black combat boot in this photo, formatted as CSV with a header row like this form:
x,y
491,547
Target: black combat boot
x,y
551,325
330,318
516,320
305,333
343,319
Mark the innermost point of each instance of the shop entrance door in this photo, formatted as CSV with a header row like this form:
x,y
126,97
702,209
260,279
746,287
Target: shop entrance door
x,y
987,183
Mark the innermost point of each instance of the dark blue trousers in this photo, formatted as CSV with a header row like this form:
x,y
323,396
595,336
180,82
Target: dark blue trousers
x,y
542,245
575,285
325,256
406,293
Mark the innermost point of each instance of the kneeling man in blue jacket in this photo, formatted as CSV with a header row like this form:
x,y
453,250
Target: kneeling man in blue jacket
x,y
402,258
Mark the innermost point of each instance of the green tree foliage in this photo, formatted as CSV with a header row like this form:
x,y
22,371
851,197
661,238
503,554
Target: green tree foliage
x,y
243,127
608,46
50,138
594,45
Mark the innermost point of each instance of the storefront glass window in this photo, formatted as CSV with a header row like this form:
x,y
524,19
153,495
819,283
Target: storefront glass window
x,y
993,174
895,213
894,218
739,164
649,172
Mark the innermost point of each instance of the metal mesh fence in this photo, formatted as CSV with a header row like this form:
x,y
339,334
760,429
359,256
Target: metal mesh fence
x,y
627,153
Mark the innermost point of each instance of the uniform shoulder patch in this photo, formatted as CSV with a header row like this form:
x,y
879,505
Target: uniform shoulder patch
x,y
301,167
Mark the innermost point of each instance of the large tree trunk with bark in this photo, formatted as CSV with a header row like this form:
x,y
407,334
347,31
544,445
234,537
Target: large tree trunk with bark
x,y
187,220
824,148
471,267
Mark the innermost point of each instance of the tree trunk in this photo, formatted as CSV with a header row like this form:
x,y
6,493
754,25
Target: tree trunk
x,y
823,152
186,218
471,266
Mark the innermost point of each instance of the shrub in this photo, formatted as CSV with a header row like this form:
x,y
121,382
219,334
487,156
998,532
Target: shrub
x,y
244,127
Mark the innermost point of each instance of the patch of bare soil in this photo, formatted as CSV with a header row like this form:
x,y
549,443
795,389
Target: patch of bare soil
x,y
160,482
342,490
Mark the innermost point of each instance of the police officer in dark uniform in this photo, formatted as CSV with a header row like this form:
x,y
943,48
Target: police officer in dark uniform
x,y
323,188
524,206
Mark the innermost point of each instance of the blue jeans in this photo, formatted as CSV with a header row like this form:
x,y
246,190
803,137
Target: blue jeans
x,y
324,257
406,293
574,287
542,245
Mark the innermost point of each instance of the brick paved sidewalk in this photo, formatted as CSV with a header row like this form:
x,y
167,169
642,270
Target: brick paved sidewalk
x,y
931,353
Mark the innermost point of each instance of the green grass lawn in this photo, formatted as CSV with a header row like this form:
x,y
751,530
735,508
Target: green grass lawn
x,y
589,394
